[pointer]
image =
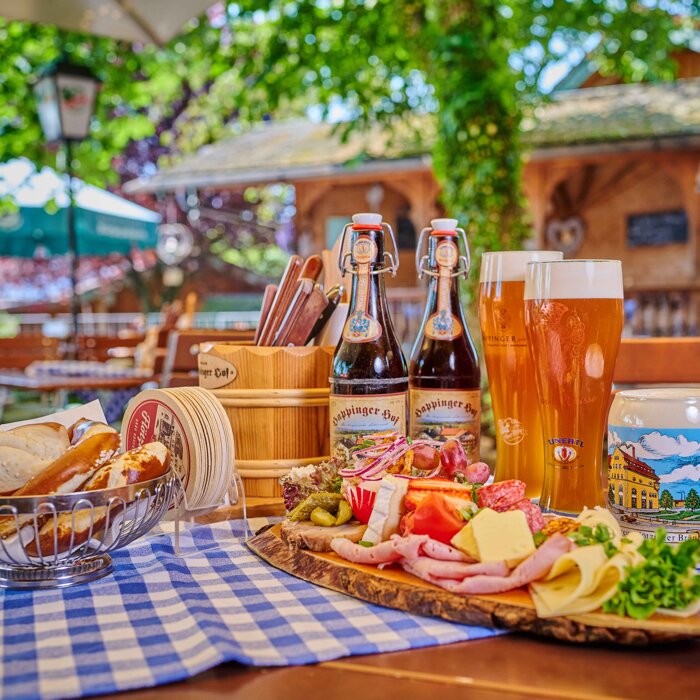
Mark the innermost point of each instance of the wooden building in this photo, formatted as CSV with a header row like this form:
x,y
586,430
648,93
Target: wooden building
x,y
611,171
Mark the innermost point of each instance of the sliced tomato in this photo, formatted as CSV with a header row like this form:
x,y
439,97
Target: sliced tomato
x,y
459,495
436,517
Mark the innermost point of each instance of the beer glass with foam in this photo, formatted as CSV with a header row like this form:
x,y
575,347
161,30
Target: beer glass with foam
x,y
574,317
511,374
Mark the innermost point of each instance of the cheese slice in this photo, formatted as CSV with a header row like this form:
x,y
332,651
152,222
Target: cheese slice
x,y
387,511
502,536
579,582
465,542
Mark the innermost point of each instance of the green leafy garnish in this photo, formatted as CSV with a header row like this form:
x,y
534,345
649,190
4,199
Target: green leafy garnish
x,y
666,579
540,538
365,543
600,534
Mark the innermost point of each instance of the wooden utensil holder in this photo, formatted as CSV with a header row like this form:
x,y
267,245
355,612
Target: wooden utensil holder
x,y
277,400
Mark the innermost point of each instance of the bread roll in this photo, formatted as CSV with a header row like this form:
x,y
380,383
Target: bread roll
x,y
66,474
27,450
46,441
142,464
17,467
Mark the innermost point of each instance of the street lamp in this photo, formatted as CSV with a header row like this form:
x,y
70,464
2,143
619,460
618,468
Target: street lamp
x,y
65,97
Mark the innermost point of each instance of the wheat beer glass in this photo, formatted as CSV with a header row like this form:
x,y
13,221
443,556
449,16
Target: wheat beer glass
x,y
511,375
573,317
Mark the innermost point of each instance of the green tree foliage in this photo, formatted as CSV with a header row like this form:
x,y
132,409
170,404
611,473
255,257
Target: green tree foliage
x,y
666,500
692,502
470,62
611,495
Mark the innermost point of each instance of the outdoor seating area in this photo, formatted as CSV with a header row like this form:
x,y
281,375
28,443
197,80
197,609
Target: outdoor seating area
x,y
349,348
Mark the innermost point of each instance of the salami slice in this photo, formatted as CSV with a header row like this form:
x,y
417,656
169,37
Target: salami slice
x,y
502,495
532,513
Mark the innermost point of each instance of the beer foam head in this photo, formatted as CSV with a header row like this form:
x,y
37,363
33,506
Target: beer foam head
x,y
574,279
511,265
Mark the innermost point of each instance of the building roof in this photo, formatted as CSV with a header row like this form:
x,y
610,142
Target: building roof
x,y
634,465
613,113
604,118
295,149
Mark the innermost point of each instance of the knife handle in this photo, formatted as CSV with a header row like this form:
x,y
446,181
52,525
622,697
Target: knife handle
x,y
283,298
312,268
268,298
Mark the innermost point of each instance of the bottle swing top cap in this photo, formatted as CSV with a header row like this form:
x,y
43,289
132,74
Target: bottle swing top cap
x,y
367,220
444,225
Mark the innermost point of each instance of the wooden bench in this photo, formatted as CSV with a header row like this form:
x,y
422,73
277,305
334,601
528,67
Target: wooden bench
x,y
97,348
20,352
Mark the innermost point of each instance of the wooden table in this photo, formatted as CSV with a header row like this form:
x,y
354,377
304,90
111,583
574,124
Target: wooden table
x,y
511,667
47,383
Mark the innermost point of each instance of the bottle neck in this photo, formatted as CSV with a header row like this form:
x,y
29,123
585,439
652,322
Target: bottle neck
x,y
449,298
443,258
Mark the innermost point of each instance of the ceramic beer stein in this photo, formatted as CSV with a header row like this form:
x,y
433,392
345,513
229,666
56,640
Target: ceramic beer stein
x,y
654,461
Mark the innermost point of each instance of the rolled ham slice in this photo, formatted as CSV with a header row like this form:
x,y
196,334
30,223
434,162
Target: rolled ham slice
x,y
444,552
387,552
535,567
433,570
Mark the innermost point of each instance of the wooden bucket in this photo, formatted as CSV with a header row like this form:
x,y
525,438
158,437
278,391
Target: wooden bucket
x,y
277,401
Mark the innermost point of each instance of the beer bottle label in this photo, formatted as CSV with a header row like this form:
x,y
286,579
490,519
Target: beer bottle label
x,y
360,326
443,324
447,414
352,417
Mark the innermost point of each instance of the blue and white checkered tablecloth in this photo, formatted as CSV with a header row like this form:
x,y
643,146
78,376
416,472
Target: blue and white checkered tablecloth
x,y
161,618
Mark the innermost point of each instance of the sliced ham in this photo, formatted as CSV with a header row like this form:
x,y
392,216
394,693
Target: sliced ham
x,y
387,552
535,567
434,569
538,564
444,552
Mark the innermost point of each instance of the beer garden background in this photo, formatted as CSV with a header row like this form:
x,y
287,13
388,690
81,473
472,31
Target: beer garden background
x,y
439,108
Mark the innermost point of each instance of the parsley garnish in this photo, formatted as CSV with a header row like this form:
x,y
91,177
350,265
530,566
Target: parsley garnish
x,y
600,534
539,537
365,543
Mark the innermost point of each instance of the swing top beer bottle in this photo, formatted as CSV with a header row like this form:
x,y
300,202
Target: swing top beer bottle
x,y
445,392
369,382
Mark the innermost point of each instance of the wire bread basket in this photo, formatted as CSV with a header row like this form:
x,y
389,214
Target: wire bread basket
x,y
44,550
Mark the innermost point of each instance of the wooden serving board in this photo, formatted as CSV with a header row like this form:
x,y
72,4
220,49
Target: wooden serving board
x,y
394,588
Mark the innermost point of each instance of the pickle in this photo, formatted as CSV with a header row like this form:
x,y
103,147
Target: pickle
x,y
344,513
327,501
319,516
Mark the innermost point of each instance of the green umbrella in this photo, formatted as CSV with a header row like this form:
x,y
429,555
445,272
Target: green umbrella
x,y
32,228
105,223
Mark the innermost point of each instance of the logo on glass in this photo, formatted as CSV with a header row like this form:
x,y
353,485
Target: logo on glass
x,y
564,454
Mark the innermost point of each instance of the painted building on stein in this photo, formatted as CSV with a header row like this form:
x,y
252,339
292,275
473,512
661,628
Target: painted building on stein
x,y
634,484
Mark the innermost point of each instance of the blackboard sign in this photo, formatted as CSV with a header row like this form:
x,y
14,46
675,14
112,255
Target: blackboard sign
x,y
659,228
